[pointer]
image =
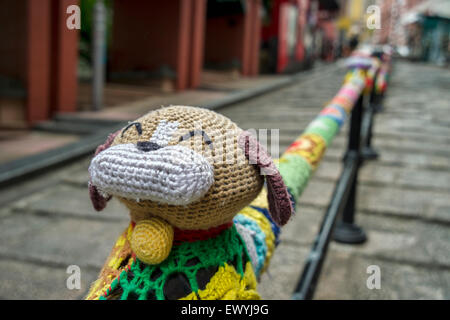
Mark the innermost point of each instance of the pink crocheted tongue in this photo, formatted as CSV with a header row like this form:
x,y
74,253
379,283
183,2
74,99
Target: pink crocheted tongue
x,y
280,206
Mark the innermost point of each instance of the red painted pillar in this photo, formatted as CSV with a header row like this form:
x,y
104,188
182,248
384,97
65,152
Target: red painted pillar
x,y
184,35
197,41
246,39
251,38
64,83
150,34
301,24
38,60
282,53
256,37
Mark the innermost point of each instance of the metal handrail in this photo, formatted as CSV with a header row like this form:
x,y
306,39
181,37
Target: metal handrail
x,y
343,200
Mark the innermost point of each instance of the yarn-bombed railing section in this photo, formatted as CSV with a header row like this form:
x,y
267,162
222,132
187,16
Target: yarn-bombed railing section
x,y
382,78
343,200
296,166
234,279
303,156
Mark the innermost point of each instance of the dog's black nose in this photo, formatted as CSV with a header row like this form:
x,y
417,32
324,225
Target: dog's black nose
x,y
147,146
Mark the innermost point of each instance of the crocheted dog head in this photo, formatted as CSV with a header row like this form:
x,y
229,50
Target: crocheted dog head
x,y
191,168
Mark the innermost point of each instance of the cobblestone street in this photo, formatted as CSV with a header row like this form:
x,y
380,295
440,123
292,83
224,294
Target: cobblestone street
x,y
47,223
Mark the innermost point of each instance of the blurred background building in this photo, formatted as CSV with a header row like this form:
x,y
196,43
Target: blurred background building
x,y
152,47
46,68
419,29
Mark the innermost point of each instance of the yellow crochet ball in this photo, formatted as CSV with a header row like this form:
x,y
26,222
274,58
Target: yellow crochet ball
x,y
152,240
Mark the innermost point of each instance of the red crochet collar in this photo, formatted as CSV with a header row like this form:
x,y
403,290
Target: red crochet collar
x,y
196,235
181,235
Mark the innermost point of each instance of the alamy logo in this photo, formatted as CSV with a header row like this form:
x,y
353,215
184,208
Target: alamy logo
x,y
74,20
374,280
74,280
374,18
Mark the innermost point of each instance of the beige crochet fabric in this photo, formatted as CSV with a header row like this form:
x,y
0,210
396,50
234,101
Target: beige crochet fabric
x,y
236,182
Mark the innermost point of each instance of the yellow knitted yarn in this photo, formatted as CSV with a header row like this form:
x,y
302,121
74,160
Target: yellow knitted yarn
x,y
227,284
119,259
310,146
265,226
263,222
261,200
152,240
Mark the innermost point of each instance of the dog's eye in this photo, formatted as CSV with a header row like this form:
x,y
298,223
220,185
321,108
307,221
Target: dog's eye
x,y
135,124
192,133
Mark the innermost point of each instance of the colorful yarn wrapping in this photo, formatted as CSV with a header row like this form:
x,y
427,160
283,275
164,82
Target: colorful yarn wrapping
x,y
227,284
303,156
295,171
258,237
335,112
357,61
381,81
300,159
310,146
370,75
266,227
232,270
324,127
275,229
187,260
120,259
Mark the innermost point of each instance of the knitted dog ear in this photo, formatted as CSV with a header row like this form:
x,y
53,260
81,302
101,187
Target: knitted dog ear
x,y
280,206
98,200
107,143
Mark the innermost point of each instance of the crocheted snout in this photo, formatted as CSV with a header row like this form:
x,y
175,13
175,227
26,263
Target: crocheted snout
x,y
174,175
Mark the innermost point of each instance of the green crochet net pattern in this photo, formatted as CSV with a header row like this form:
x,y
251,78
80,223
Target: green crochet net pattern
x,y
189,267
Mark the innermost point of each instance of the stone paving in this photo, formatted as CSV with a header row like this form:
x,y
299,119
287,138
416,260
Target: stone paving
x,y
47,223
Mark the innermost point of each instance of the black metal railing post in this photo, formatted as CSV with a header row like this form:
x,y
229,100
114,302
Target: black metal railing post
x,y
342,204
346,231
367,151
306,285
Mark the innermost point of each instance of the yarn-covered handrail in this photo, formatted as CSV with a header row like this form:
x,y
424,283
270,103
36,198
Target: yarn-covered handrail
x,y
382,78
227,265
302,157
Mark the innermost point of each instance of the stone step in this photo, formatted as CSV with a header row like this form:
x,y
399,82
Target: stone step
x,y
279,281
59,242
377,174
427,205
69,201
30,281
345,277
